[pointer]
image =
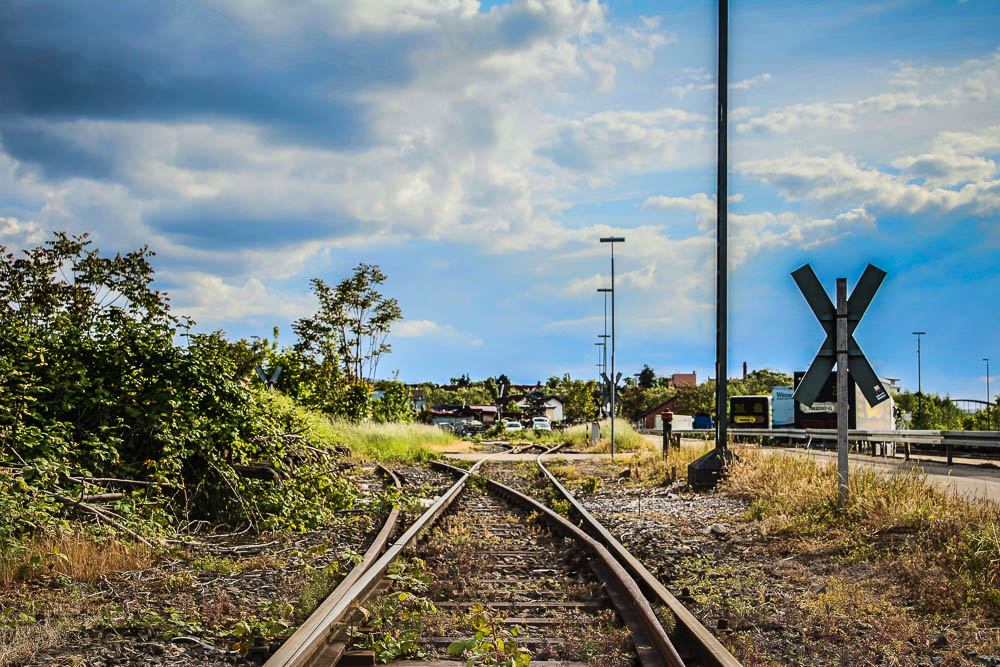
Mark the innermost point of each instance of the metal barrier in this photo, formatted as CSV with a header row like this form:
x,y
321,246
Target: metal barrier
x,y
985,439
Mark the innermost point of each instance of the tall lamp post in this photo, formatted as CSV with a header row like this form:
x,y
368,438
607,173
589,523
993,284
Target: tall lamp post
x,y
989,418
920,391
612,240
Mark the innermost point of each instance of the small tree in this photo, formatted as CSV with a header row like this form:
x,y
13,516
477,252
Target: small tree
x,y
354,319
647,377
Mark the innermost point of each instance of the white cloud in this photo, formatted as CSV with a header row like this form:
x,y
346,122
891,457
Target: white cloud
x,y
928,89
16,234
209,300
984,142
440,333
946,169
841,181
752,81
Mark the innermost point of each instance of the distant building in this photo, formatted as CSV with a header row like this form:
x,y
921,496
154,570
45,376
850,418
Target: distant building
x,y
892,385
683,380
653,418
552,406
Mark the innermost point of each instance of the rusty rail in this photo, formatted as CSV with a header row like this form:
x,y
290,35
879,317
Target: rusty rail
x,y
315,641
628,598
311,634
697,637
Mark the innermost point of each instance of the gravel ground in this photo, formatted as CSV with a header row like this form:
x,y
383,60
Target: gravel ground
x,y
780,602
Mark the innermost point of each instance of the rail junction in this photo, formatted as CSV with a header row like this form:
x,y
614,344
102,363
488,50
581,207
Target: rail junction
x,y
518,559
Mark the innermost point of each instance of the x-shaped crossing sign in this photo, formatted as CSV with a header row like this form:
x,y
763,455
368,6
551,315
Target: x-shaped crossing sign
x,y
826,313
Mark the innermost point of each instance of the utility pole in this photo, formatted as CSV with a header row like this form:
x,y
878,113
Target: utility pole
x,y
920,391
614,380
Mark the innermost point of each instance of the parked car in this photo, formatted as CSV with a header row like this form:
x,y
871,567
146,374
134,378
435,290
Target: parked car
x,y
511,425
541,424
469,427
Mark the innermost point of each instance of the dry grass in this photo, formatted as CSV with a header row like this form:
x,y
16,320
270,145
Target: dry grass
x,y
627,439
648,466
947,554
77,555
19,643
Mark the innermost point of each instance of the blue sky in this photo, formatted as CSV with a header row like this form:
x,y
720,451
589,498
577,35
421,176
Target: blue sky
x,y
477,151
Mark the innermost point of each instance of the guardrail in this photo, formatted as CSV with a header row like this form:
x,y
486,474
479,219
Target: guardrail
x,y
986,439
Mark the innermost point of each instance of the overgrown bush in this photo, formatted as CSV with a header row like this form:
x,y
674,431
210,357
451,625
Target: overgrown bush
x,y
94,385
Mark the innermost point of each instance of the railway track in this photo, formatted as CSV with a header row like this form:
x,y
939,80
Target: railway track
x,y
488,569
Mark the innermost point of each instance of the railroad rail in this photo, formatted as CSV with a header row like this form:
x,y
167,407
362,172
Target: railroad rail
x,y
532,571
693,638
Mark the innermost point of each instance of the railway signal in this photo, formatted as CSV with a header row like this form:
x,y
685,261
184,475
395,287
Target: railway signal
x,y
842,350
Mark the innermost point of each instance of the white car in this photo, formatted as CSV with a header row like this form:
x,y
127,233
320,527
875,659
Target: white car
x,y
541,424
511,425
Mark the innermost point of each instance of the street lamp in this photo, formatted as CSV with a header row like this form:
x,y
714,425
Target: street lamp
x,y
989,419
920,395
613,380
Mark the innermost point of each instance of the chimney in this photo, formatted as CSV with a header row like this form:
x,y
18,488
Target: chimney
x,y
744,371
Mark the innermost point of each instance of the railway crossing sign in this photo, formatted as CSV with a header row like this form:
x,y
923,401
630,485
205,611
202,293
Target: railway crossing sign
x,y
841,349
269,381
826,313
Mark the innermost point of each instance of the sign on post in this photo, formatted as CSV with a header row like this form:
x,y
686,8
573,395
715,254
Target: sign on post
x,y
840,349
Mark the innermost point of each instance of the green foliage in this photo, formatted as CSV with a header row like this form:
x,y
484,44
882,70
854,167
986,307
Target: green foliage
x,y
397,617
579,398
493,643
352,323
394,405
636,401
357,402
647,377
93,384
472,395
696,400
930,411
758,382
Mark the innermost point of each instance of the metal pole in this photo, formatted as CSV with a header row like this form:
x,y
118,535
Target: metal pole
x,y
920,391
604,338
721,364
989,418
842,393
612,376
613,380
605,369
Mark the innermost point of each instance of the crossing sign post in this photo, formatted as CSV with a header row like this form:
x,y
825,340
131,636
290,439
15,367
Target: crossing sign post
x,y
841,349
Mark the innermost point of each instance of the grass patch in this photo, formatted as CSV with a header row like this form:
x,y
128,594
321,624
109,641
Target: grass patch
x,y
944,549
78,555
371,441
627,439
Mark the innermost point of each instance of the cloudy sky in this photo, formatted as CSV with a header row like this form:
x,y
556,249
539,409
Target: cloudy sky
x,y
478,150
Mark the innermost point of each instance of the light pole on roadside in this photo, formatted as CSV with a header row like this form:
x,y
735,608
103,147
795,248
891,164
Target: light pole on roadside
x,y
613,380
989,418
920,391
